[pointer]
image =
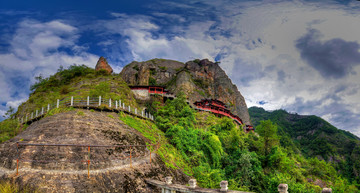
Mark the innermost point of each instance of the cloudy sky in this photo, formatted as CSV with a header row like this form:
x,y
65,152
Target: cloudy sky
x,y
301,56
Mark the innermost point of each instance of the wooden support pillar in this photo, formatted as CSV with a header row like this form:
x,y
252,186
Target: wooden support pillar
x,y
99,100
110,103
88,101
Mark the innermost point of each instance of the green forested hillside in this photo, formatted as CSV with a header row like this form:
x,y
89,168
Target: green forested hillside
x,y
315,137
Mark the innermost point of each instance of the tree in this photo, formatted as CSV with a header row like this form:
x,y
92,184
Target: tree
x,y
9,113
268,131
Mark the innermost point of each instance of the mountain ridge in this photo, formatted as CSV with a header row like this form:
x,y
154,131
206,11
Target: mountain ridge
x,y
313,137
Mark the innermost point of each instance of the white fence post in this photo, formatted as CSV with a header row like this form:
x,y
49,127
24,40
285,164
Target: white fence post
x,y
48,108
72,101
192,183
110,103
129,109
57,103
42,110
116,104
224,186
36,114
88,101
283,188
142,113
99,100
26,118
326,190
120,103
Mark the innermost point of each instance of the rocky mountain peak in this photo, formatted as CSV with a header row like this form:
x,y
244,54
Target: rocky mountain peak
x,y
198,79
102,64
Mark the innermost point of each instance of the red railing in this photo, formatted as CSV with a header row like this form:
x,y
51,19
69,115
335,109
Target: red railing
x,y
156,90
220,111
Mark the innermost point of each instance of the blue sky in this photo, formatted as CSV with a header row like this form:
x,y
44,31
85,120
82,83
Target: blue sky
x,y
301,56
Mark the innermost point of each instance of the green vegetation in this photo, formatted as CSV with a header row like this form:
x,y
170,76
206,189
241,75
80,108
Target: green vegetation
x,y
201,83
168,153
8,187
152,71
152,81
216,149
136,67
197,61
80,113
314,137
9,128
162,67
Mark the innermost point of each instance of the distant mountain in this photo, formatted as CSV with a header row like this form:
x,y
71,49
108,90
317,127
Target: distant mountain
x,y
314,137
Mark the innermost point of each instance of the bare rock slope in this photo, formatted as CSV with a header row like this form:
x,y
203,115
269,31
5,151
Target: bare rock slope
x,y
64,169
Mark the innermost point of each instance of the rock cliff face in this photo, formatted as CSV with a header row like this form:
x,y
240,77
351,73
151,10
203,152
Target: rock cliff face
x,y
199,79
63,169
102,64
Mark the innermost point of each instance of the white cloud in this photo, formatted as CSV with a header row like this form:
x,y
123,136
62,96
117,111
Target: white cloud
x,y
34,49
14,104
